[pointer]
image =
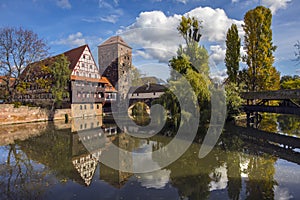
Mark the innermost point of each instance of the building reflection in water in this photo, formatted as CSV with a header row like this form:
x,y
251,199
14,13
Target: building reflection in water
x,y
233,170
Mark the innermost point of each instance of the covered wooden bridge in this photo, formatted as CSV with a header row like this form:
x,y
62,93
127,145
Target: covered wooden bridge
x,y
261,102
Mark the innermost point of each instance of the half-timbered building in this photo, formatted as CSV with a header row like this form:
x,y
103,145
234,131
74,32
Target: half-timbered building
x,y
87,90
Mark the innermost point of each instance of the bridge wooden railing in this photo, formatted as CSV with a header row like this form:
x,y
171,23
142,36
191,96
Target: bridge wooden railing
x,y
272,95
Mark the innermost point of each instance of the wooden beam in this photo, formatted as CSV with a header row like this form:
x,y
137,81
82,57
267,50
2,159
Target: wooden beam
x,y
272,95
272,109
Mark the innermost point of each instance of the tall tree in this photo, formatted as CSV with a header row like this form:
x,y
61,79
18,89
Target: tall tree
x,y
232,57
60,75
191,63
18,48
259,48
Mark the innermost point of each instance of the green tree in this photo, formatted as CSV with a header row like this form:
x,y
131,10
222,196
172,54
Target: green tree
x,y
289,82
232,57
259,48
190,64
18,48
192,61
60,76
233,99
135,76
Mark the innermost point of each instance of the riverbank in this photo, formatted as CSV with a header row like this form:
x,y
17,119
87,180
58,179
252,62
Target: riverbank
x,y
25,114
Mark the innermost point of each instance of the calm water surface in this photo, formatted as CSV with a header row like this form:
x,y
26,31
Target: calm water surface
x,y
49,161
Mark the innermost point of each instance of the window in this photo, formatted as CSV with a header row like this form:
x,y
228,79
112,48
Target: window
x,y
92,106
91,66
96,76
97,106
77,73
90,75
84,107
83,65
83,56
80,107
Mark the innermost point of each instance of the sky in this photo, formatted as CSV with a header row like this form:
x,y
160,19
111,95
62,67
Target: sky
x,y
149,27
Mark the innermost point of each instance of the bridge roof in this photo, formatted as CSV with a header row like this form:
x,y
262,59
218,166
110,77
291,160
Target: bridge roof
x,y
272,95
147,88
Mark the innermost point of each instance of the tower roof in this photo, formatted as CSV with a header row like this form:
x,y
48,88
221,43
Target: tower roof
x,y
115,40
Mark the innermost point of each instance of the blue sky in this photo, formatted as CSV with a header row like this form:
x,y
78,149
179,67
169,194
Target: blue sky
x,y
149,26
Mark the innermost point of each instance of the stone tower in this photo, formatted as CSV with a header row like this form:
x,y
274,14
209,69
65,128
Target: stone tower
x,y
115,60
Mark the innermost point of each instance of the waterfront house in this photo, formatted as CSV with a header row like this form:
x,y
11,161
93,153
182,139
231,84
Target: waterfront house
x,y
87,90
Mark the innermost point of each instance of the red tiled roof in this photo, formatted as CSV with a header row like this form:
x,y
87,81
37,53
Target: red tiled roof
x,y
109,87
73,55
81,78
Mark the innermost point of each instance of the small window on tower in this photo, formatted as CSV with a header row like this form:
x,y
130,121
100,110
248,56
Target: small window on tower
x,y
83,65
91,66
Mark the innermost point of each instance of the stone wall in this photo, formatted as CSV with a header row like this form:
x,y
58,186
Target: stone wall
x,y
86,110
24,114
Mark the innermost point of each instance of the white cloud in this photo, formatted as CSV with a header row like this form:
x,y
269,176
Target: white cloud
x,y
157,179
104,4
182,1
215,23
116,2
217,53
219,75
64,4
72,40
275,5
155,33
110,18
282,193
158,35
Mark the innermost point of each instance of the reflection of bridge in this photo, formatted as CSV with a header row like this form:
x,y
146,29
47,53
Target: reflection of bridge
x,y
260,102
278,145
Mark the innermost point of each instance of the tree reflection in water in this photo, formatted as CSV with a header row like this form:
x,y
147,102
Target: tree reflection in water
x,y
56,160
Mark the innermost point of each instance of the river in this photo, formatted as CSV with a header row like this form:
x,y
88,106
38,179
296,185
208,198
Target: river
x,y
49,161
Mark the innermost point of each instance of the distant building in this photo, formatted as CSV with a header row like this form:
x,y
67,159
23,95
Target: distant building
x,y
88,91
